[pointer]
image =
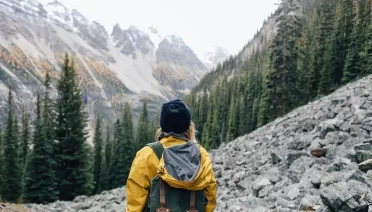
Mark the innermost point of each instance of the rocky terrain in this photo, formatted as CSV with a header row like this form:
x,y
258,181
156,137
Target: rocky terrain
x,y
316,158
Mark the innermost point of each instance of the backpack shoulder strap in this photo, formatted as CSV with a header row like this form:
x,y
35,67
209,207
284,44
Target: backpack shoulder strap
x,y
157,147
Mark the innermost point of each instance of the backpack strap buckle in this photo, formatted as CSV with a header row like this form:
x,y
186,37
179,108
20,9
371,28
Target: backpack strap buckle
x,y
163,210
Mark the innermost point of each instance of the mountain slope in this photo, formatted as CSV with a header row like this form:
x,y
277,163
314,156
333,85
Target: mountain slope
x,y
259,44
126,65
318,157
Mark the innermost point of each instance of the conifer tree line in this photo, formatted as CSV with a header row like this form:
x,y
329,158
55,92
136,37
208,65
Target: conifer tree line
x,y
310,56
49,158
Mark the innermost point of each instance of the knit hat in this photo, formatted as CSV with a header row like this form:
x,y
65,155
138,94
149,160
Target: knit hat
x,y
175,116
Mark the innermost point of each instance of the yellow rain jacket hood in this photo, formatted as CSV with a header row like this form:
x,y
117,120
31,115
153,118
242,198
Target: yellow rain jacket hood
x,y
185,165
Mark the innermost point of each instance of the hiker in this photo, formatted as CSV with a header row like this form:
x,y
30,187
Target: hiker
x,y
173,174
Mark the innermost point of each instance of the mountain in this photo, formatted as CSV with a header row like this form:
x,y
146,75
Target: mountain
x,y
124,66
259,44
215,56
316,158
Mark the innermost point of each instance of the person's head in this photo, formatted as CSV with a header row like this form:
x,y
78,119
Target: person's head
x,y
175,117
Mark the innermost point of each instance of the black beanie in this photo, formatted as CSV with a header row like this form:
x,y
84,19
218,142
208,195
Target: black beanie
x,y
175,116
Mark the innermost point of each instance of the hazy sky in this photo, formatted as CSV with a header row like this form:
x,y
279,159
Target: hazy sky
x,y
201,23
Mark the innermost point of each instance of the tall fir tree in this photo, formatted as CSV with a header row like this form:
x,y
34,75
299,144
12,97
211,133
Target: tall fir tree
x,y
338,42
366,53
25,139
352,62
143,132
39,184
123,150
127,152
232,127
11,190
327,49
105,179
98,158
215,133
203,112
48,115
113,169
72,153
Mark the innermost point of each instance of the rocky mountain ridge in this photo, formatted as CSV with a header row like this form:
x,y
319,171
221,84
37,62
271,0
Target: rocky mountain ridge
x,y
124,66
316,158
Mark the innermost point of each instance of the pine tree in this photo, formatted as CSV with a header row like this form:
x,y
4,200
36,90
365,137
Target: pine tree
x,y
338,39
352,62
255,111
40,184
215,133
203,112
327,49
366,53
48,117
224,108
127,152
17,142
11,190
268,103
205,136
72,153
123,150
143,132
113,168
105,180
25,139
97,173
232,127
249,93
243,119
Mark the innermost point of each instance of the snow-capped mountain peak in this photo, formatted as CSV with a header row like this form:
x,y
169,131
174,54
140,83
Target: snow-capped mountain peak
x,y
214,56
155,35
127,65
59,13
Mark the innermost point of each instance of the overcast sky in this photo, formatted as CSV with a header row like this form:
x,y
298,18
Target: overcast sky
x,y
201,23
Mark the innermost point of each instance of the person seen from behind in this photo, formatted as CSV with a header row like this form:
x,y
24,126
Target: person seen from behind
x,y
174,173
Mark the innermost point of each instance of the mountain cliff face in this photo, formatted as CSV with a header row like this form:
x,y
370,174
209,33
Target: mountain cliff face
x,y
316,158
126,65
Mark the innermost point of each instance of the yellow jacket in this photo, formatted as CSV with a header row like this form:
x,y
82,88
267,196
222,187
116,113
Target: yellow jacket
x,y
146,165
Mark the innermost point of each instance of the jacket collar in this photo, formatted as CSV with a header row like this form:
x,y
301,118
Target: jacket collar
x,y
175,135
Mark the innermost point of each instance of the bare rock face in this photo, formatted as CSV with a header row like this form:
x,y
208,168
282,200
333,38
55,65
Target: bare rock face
x,y
174,56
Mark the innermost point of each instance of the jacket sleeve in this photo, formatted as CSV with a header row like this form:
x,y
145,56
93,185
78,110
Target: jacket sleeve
x,y
139,180
211,191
